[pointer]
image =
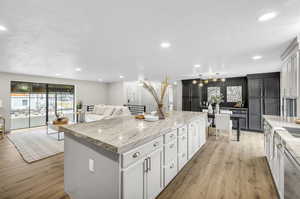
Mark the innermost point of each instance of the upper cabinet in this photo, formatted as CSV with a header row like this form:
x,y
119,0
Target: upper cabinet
x,y
290,71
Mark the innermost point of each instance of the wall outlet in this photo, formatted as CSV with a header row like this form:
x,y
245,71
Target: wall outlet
x,y
91,165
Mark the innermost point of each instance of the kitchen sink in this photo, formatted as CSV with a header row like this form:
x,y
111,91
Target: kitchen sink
x,y
293,131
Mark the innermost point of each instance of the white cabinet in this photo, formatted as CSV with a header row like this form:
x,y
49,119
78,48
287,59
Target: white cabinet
x,y
170,156
196,136
149,168
133,181
275,156
290,71
154,177
192,140
143,179
280,170
182,149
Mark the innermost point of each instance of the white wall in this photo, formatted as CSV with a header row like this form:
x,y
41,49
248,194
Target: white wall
x,y
116,93
120,92
86,91
177,93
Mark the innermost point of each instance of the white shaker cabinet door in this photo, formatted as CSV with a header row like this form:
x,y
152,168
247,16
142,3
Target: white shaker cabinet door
x,y
155,174
192,140
133,181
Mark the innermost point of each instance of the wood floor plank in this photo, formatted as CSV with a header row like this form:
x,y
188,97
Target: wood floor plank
x,y
221,170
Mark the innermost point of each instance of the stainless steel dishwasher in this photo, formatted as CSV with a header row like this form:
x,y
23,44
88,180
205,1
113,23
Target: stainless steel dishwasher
x,y
291,176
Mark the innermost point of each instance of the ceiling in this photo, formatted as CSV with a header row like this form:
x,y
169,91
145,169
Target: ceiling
x,y
106,39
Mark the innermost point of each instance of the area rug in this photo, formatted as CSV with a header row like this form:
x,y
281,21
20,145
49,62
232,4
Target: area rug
x,y
34,145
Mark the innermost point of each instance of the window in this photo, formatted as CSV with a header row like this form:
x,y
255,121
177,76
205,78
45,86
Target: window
x,y
35,104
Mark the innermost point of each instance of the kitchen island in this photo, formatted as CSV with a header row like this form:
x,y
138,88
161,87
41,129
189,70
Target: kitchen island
x,y
125,158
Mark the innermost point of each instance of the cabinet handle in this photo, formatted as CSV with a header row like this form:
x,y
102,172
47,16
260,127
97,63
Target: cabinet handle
x,y
183,137
136,154
183,155
149,162
145,165
279,145
156,144
172,135
171,146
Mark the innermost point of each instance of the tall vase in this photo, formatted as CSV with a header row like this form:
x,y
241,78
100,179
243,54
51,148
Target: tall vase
x,y
160,111
210,109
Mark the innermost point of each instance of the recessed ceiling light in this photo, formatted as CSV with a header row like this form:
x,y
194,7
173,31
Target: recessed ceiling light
x,y
175,83
78,69
58,74
194,82
197,65
256,57
267,16
165,44
3,28
121,76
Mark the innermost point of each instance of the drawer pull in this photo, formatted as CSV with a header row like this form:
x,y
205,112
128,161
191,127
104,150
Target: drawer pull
x,y
156,144
136,154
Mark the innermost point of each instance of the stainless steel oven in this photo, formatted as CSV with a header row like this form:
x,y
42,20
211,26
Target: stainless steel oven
x,y
291,176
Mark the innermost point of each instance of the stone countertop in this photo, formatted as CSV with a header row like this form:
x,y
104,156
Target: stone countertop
x,y
122,134
292,143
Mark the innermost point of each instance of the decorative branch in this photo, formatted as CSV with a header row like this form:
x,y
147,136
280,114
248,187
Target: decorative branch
x,y
159,99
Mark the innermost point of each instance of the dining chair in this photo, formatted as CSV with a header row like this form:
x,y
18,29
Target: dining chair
x,y
223,123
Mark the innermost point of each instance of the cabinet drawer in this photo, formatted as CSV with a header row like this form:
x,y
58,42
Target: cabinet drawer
x,y
170,152
170,172
182,131
182,143
140,152
169,137
182,160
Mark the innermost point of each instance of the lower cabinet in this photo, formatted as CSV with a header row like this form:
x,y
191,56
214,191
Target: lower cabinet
x,y
133,181
151,167
154,180
193,139
143,179
274,151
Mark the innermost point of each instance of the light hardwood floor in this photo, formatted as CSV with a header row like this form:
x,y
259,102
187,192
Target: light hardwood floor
x,y
221,170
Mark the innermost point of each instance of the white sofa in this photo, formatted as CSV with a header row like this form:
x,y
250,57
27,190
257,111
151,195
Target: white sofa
x,y
102,111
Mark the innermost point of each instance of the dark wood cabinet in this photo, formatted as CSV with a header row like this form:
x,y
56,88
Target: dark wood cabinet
x,y
272,87
191,96
263,98
255,88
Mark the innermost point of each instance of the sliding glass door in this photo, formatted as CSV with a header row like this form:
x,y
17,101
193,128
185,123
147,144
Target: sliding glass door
x,y
20,101
61,101
34,104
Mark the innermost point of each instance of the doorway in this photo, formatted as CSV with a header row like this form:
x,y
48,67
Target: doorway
x,y
35,104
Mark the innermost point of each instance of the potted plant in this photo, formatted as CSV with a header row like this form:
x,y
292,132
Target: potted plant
x,y
217,99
